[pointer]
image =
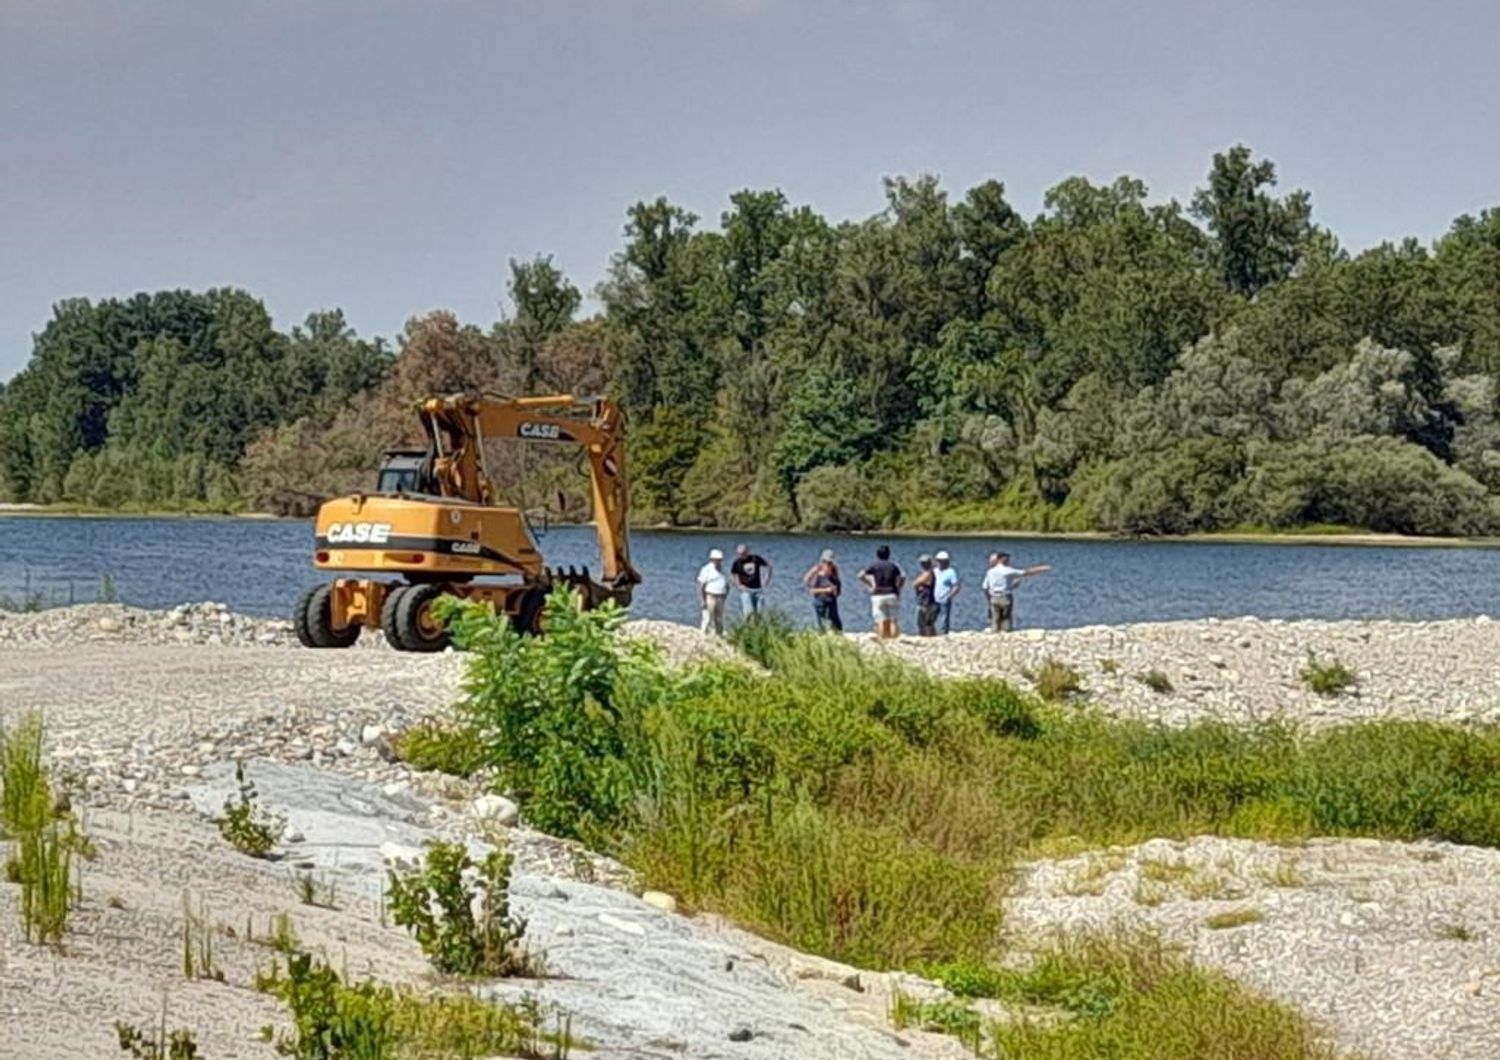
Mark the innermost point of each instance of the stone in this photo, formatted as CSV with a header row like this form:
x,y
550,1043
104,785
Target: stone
x,y
741,1034
371,734
630,927
660,900
190,771
400,853
496,809
109,625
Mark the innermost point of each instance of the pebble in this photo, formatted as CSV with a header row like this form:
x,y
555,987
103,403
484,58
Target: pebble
x,y
496,809
660,900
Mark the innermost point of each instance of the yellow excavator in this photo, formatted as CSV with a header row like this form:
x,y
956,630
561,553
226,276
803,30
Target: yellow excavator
x,y
433,526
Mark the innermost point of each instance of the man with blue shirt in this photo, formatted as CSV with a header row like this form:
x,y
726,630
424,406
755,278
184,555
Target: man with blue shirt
x,y
945,586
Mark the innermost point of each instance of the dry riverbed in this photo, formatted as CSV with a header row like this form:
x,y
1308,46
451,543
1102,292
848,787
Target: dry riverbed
x,y
1395,948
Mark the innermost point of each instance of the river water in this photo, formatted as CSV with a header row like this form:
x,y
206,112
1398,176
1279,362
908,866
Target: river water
x,y
260,566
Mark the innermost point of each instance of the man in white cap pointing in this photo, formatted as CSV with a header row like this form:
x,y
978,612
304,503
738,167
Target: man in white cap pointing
x,y
713,590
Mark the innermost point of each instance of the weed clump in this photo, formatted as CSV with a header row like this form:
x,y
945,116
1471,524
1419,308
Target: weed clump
x,y
763,635
1055,680
434,747
1326,677
245,824
1157,681
180,1044
337,1020
459,912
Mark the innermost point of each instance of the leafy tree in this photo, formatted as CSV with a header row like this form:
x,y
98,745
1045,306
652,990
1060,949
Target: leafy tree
x,y
1259,237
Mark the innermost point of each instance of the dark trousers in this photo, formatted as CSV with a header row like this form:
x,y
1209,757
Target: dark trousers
x,y
826,609
927,620
945,613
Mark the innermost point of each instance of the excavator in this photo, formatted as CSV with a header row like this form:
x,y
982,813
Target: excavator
x,y
433,526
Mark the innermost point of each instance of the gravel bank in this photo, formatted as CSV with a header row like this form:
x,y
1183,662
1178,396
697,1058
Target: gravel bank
x,y
1246,670
1394,947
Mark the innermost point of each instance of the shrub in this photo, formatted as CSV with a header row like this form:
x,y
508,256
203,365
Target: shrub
x,y
434,747
459,912
245,824
1329,678
559,718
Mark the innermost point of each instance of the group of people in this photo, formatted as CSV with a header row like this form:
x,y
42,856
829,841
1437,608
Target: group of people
x,y
935,587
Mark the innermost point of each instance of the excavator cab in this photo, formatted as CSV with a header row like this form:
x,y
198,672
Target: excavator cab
x,y
433,522
406,471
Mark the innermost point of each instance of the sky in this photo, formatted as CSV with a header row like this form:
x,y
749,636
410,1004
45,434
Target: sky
x,y
390,156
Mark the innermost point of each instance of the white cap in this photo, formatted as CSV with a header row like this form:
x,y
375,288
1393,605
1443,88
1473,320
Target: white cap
x,y
826,555
941,555
714,553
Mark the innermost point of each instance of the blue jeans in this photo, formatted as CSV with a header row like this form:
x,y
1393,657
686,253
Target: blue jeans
x,y
945,615
750,601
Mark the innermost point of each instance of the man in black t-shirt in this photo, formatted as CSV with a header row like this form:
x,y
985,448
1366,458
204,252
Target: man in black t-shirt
x,y
884,580
751,575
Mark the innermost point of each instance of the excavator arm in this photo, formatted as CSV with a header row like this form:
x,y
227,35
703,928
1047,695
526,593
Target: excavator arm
x,y
458,427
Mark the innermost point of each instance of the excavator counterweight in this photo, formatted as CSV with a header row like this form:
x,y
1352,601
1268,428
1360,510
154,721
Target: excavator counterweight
x,y
433,526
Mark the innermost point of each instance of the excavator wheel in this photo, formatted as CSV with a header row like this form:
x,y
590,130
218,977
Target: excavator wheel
x,y
313,621
529,611
408,620
388,623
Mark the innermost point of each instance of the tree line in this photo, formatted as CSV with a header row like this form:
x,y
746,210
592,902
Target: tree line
x,y
1113,363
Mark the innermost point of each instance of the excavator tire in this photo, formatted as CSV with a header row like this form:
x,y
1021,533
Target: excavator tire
x,y
313,621
416,626
389,625
529,611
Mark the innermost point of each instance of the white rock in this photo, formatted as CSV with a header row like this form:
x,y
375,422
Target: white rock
x,y
109,625
660,900
400,853
630,927
495,808
371,734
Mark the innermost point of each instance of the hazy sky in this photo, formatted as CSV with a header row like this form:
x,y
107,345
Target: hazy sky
x,y
388,156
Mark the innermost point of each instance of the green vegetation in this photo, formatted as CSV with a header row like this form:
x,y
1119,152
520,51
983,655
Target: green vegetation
x,y
245,824
180,1044
1055,680
1112,363
1156,681
459,912
435,747
1136,1000
862,809
337,1020
762,634
1326,678
46,838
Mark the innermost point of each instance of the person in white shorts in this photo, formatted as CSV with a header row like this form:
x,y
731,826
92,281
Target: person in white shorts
x,y
713,590
884,580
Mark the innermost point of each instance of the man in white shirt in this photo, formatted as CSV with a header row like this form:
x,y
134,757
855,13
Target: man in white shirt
x,y
1000,583
713,590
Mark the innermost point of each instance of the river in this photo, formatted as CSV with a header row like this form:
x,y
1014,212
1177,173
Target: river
x,y
260,566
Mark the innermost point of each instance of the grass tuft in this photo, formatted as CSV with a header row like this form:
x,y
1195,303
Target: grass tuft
x,y
1328,677
1055,680
1157,681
